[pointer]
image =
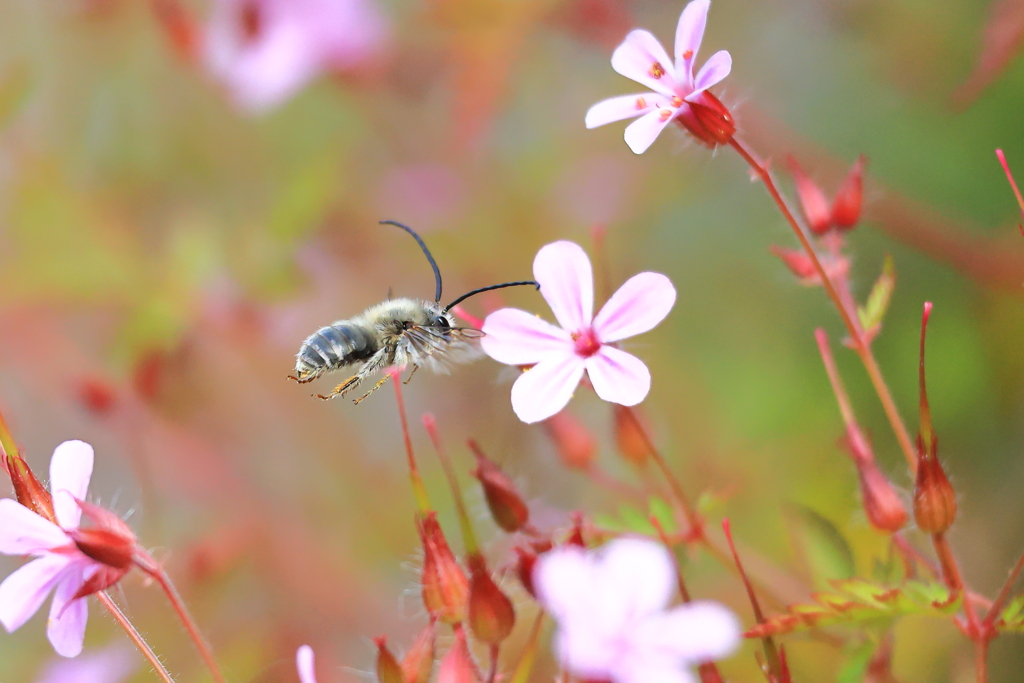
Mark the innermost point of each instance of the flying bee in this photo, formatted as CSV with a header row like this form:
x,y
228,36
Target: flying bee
x,y
396,333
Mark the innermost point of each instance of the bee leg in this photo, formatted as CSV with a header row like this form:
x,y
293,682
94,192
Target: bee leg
x,y
376,386
413,372
350,383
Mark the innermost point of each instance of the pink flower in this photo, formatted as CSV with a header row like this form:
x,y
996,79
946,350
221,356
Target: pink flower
x,y
676,94
59,565
112,664
304,662
612,623
583,342
266,50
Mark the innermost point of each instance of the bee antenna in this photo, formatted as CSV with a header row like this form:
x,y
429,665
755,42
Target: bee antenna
x,y
426,252
487,289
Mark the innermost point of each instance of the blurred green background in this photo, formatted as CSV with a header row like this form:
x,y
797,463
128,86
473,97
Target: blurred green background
x,y
163,254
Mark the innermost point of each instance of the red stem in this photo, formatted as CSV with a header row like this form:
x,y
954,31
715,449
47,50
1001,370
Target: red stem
x,y
1004,593
135,636
418,489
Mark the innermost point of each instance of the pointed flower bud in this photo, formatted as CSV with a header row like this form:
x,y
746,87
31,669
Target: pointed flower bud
x,y
812,200
445,587
629,438
575,444
457,666
934,498
388,668
503,499
847,204
800,264
884,509
526,560
109,541
418,663
491,615
27,489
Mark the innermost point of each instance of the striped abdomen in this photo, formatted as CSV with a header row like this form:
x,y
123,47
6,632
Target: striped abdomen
x,y
334,346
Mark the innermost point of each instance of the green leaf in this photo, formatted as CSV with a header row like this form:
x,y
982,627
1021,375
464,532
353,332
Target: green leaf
x,y
823,546
873,310
629,519
661,510
1012,617
856,658
859,601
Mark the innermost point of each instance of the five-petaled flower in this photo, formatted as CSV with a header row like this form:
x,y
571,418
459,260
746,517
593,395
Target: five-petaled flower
x,y
612,622
266,50
677,95
583,342
70,561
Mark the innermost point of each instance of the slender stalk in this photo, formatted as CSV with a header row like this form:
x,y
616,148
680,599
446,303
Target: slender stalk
x,y
160,576
771,652
852,326
135,636
1009,176
7,441
468,537
418,489
981,660
1004,593
953,578
492,674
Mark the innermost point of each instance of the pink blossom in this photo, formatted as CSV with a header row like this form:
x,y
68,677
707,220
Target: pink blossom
x,y
266,50
111,664
612,622
58,565
673,86
305,663
559,355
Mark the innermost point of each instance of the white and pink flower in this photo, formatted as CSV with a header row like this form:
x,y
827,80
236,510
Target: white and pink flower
x,y
676,94
266,50
584,342
59,566
613,625
306,664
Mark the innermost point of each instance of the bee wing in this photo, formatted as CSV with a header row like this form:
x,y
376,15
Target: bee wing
x,y
436,347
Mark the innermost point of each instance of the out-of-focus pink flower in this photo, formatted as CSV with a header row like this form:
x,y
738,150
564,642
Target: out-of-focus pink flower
x,y
304,661
266,50
112,664
583,342
612,623
676,94
59,565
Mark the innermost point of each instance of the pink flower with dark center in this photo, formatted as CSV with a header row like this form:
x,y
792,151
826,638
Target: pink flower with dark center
x,y
613,625
305,663
266,50
560,355
676,94
59,565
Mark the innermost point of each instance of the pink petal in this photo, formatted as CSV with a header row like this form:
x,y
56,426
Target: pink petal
x,y
70,470
68,616
618,377
642,133
714,70
693,633
689,33
651,670
639,58
640,303
22,593
585,651
305,664
23,532
544,389
516,337
635,579
566,283
622,107
563,580
112,664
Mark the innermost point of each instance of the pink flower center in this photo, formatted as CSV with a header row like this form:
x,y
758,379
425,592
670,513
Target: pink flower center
x,y
586,343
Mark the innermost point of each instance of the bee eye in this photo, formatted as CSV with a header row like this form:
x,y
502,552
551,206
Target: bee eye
x,y
442,322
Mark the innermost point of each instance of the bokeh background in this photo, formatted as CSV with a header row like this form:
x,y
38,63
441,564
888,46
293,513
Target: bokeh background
x,y
164,251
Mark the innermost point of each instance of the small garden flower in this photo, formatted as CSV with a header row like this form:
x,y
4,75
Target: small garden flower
x,y
676,94
559,355
304,662
266,50
63,565
612,623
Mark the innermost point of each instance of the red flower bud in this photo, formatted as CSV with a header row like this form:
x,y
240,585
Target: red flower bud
x,y
445,587
884,509
103,579
629,437
812,200
708,120
503,499
934,498
418,663
457,666
491,615
27,489
847,204
526,559
575,444
800,264
110,541
388,668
